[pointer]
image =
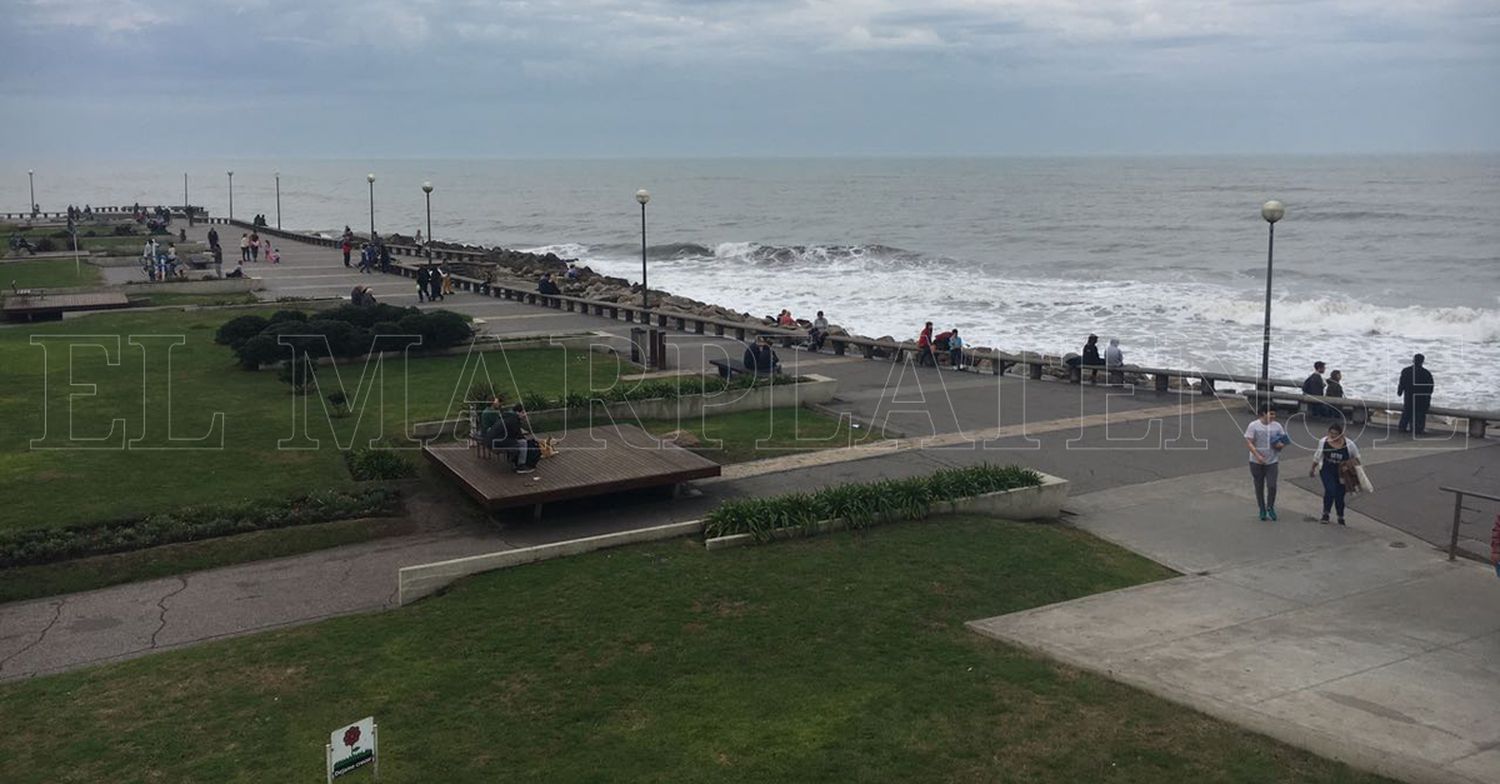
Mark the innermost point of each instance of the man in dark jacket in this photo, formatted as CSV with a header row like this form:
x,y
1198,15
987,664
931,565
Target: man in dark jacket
x,y
1415,389
760,359
424,276
1314,386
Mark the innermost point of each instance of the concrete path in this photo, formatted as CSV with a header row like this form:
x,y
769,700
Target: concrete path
x,y
1359,643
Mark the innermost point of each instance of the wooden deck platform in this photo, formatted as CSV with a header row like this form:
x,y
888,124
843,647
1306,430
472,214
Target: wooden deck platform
x,y
51,307
589,462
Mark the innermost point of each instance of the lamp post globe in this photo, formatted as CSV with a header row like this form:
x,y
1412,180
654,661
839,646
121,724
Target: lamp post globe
x,y
1272,211
643,196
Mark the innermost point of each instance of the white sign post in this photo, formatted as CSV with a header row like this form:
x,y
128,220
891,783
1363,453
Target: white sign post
x,y
354,746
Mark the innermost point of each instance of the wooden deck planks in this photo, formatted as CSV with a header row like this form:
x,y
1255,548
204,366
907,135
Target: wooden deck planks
x,y
589,462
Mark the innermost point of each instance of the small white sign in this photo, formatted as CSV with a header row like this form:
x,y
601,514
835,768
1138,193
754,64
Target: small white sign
x,y
351,747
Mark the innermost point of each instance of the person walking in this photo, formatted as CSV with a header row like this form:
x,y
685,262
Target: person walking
x,y
434,283
348,245
424,274
213,237
245,246
1114,361
1265,438
1415,389
255,246
1333,463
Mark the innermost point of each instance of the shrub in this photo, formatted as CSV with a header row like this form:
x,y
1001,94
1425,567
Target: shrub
x,y
261,350
124,230
45,245
367,316
371,464
235,332
301,374
22,548
533,401
288,315
863,504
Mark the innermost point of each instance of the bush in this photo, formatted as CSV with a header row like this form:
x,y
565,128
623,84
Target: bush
x,y
235,332
22,548
45,245
288,315
261,350
124,230
300,379
371,464
367,316
863,504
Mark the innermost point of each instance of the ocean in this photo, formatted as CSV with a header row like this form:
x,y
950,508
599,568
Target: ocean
x,y
1377,258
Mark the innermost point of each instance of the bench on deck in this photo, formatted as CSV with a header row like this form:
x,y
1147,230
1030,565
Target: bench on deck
x,y
589,462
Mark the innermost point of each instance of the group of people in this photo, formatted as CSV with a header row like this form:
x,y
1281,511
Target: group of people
x,y
433,282
259,220
507,430
161,263
1335,463
949,344
1414,386
251,246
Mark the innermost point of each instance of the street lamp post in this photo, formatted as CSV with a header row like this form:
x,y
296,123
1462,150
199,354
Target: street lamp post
x,y
644,196
185,207
231,195
427,189
31,181
371,178
278,201
1272,211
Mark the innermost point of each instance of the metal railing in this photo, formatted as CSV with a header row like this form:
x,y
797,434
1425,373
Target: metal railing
x,y
1458,510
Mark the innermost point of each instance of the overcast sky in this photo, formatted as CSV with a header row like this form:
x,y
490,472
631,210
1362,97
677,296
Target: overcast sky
x,y
653,78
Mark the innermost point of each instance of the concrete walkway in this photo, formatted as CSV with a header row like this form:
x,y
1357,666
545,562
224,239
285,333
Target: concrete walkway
x,y
1359,643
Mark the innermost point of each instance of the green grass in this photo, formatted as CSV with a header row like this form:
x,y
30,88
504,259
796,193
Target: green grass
x,y
67,486
839,659
49,274
86,574
759,435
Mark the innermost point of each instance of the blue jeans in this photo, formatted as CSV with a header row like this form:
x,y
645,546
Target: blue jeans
x,y
1333,489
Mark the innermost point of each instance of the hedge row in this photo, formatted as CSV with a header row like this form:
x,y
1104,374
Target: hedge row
x,y
647,390
863,504
22,548
346,331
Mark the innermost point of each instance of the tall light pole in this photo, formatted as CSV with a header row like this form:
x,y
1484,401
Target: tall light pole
x,y
31,180
643,196
371,178
427,189
1272,211
185,208
278,200
231,195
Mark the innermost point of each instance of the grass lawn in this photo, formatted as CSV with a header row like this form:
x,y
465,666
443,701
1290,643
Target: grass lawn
x,y
86,574
757,435
68,485
52,273
835,659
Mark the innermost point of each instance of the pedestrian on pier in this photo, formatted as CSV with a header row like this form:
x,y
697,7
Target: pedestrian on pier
x,y
348,245
1334,463
434,283
1265,438
424,275
924,346
245,246
255,246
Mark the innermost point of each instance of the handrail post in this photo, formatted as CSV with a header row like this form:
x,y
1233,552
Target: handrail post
x,y
1458,507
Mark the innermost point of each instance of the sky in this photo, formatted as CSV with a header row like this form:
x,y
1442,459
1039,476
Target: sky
x,y
704,78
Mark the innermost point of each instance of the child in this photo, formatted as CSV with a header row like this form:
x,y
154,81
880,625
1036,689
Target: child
x,y
273,255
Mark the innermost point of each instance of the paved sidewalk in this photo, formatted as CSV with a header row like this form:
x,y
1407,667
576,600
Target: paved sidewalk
x,y
1360,643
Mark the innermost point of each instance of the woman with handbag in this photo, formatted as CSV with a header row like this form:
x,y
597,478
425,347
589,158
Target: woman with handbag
x,y
1336,462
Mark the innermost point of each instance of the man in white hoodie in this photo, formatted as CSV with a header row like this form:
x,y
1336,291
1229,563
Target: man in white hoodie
x,y
1114,359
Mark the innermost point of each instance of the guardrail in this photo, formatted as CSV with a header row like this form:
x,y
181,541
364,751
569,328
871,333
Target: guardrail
x,y
1360,408
995,360
1458,509
98,212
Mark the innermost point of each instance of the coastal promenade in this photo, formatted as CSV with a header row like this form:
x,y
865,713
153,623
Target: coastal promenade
x,y
1403,654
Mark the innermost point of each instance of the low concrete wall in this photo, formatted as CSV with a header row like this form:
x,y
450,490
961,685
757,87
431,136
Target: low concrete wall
x,y
216,286
415,582
581,340
1043,502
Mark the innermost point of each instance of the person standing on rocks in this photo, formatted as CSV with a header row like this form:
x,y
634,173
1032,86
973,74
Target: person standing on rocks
x,y
1265,437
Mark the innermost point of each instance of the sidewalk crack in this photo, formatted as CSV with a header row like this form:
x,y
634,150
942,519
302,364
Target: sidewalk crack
x,y
56,615
161,604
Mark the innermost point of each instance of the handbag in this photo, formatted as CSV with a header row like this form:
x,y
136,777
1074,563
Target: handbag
x,y
1364,479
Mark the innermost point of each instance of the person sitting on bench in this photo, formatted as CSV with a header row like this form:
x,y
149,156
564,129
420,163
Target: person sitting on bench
x,y
818,333
506,431
760,359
